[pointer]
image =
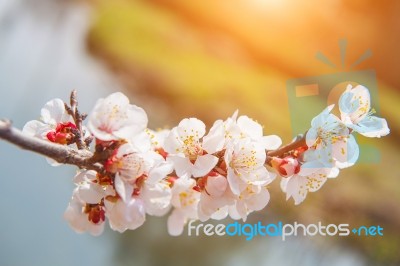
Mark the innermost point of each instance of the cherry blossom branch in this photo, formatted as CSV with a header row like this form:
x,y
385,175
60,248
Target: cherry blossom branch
x,y
86,159
138,171
62,154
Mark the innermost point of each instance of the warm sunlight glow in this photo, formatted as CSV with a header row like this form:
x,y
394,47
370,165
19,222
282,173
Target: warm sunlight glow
x,y
275,4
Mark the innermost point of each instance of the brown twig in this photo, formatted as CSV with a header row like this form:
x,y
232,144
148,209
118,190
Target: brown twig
x,y
299,142
60,153
86,159
81,143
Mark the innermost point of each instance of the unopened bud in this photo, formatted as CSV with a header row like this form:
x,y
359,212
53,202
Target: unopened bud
x,y
287,166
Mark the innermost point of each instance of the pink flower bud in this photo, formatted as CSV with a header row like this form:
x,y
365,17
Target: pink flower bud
x,y
287,166
63,134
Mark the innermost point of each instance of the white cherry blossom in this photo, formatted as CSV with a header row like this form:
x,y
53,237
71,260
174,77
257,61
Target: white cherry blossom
x,y
196,176
245,166
185,149
221,133
51,115
148,193
215,196
157,138
253,130
252,198
128,165
156,197
330,140
355,110
225,133
55,125
311,177
185,202
88,188
114,118
144,172
124,215
85,211
77,216
150,139
156,191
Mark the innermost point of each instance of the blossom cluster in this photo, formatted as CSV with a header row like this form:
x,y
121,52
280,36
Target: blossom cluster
x,y
330,144
189,173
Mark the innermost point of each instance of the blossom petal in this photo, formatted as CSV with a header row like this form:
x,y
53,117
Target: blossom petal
x,y
221,213
354,104
182,165
73,215
125,215
176,223
84,176
233,213
216,185
159,172
141,142
241,209
311,137
271,142
322,117
78,220
53,112
156,198
91,193
173,142
125,149
37,129
123,189
295,188
136,122
315,182
204,164
114,118
233,181
214,141
372,127
258,201
189,126
250,127
340,151
259,176
333,172
135,213
350,151
310,167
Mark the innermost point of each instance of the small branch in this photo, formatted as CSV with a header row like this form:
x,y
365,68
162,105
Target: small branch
x,y
60,153
86,159
299,142
78,118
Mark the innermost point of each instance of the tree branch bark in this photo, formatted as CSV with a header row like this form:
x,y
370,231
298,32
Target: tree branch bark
x,y
62,154
300,142
86,159
289,147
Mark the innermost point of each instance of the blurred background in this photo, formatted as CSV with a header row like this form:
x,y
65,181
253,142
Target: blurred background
x,y
205,59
